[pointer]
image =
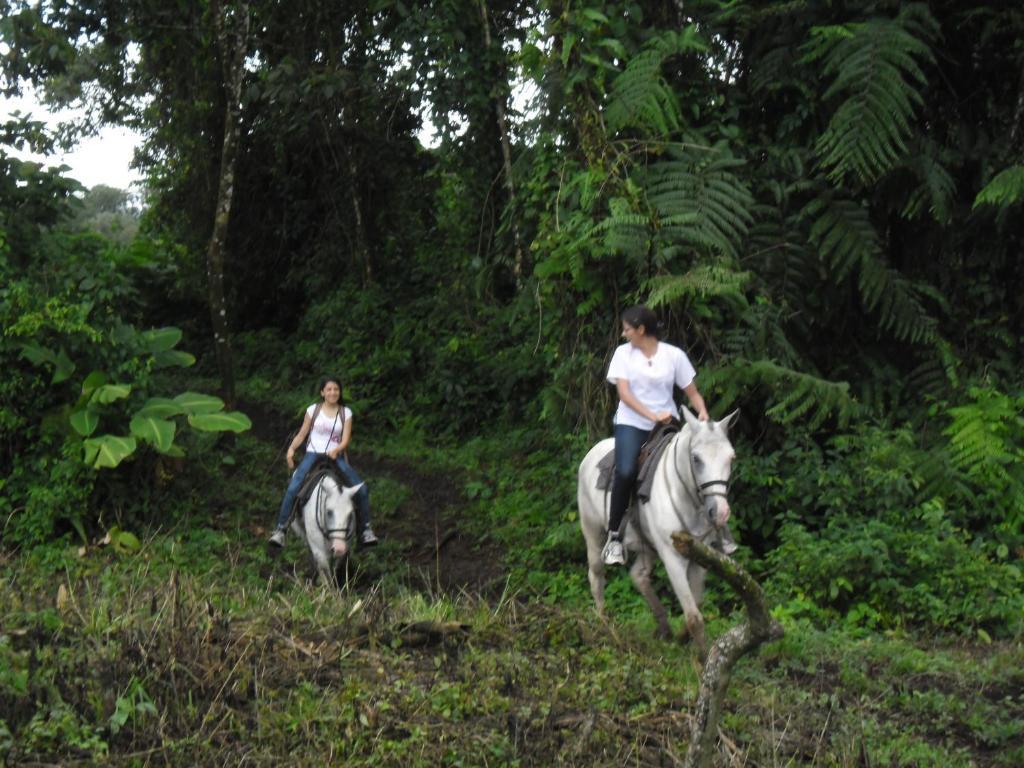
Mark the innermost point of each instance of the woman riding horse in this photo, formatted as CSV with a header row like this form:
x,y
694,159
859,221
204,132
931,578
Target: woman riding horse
x,y
328,425
644,371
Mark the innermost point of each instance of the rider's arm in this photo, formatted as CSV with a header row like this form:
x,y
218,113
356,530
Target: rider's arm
x,y
626,396
300,436
696,400
346,435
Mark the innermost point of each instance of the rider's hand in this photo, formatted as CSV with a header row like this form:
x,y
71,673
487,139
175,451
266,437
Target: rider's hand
x,y
334,452
663,417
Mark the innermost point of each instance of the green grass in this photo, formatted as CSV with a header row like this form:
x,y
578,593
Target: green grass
x,y
200,649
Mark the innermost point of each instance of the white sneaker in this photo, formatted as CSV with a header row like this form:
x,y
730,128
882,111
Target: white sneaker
x,y
277,537
613,554
368,538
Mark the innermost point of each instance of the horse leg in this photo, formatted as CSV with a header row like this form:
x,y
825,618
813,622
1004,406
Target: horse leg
x,y
324,567
319,548
696,576
640,573
595,572
676,568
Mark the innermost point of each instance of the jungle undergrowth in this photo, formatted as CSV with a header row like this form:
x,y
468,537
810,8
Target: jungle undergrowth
x,y
200,648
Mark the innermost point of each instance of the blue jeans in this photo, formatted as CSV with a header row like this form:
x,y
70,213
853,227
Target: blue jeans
x,y
628,442
348,474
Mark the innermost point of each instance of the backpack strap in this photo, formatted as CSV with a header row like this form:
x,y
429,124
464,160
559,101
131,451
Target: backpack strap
x,y
341,412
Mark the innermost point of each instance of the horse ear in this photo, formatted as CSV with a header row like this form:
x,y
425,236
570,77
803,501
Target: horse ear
x,y
353,490
726,423
692,420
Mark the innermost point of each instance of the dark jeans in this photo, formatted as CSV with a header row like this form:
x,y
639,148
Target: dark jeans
x,y
351,478
628,441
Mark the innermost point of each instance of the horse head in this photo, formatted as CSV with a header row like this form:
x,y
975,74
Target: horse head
x,y
711,455
338,515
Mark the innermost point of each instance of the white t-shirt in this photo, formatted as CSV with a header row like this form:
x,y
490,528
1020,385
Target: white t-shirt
x,y
326,430
650,379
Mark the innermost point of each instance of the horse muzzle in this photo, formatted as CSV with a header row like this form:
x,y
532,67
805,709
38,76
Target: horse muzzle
x,y
339,547
717,508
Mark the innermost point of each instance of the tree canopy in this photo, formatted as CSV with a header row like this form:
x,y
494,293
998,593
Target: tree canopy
x,y
821,199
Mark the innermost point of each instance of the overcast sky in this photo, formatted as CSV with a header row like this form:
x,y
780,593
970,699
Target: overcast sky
x,y
102,159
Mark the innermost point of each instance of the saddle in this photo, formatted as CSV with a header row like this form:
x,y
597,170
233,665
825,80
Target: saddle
x,y
650,455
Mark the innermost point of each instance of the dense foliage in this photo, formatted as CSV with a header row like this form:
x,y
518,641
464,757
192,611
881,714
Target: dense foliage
x,y
822,200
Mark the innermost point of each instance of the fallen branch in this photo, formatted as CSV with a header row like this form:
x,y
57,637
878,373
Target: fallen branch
x,y
728,649
422,633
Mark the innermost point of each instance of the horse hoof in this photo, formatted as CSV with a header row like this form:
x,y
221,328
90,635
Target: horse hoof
x,y
662,633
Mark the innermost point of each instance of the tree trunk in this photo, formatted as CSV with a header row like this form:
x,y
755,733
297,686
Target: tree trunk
x,y
500,96
1018,114
232,42
728,649
362,244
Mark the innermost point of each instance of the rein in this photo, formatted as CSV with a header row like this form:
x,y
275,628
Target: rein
x,y
327,533
701,493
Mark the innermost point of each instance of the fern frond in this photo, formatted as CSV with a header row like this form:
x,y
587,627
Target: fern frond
x,y
842,232
777,251
876,72
711,279
759,333
698,200
1004,190
695,205
794,395
929,379
986,438
845,238
640,97
934,193
895,299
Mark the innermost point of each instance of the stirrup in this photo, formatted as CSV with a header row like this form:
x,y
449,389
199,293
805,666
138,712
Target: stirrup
x,y
613,552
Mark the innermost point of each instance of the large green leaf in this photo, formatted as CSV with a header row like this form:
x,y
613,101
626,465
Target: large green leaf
x,y
159,432
108,393
108,450
169,358
38,355
161,339
85,421
65,367
234,421
160,408
125,542
1004,190
196,402
92,381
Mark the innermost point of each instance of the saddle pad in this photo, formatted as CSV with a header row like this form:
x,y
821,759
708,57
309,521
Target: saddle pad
x,y
654,448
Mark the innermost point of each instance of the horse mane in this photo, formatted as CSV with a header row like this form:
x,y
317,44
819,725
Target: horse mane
x,y
331,483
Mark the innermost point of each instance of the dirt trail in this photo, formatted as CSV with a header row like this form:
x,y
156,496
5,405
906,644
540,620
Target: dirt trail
x,y
426,527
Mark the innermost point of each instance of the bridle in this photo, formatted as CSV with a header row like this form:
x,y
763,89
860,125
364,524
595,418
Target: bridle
x,y
702,493
321,517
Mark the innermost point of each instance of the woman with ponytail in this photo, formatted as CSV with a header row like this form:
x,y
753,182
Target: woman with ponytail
x,y
327,429
644,371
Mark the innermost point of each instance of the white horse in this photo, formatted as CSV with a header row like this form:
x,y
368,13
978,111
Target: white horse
x,y
326,524
688,494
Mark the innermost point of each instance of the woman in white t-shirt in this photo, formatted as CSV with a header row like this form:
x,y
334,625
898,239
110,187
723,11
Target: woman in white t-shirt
x,y
327,429
644,371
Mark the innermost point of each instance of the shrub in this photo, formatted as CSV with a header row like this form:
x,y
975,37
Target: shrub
x,y
899,567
